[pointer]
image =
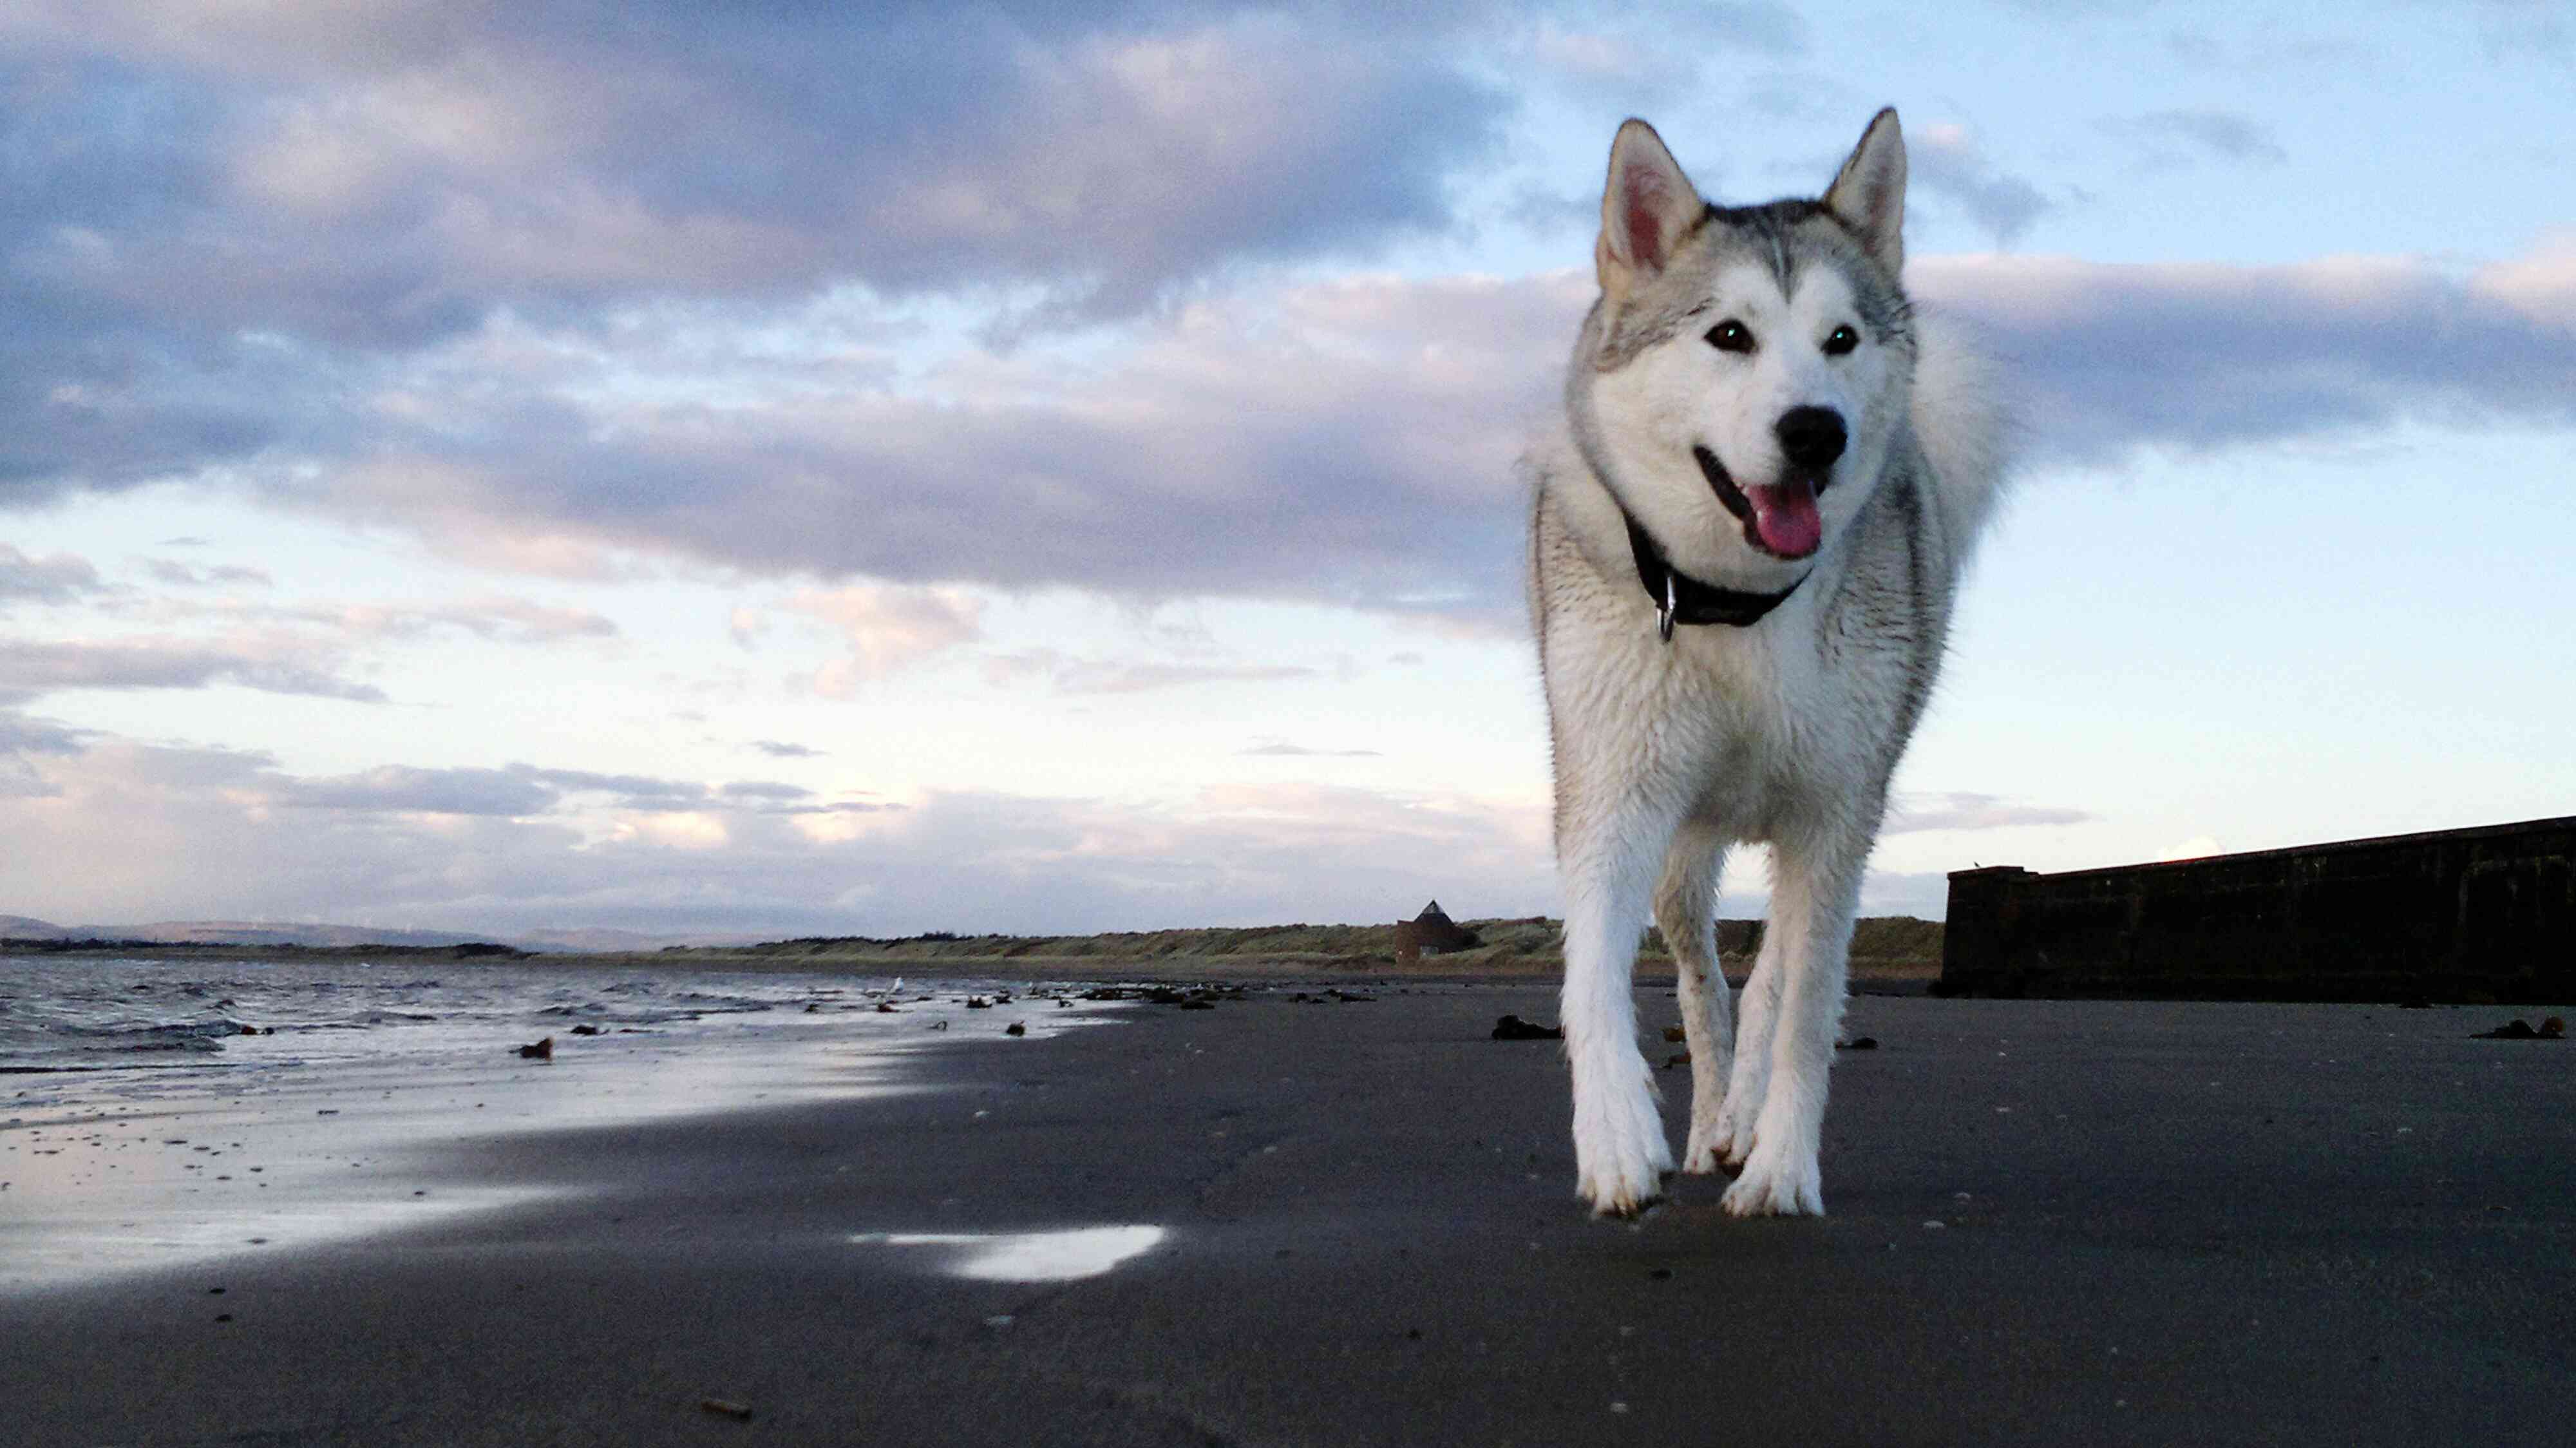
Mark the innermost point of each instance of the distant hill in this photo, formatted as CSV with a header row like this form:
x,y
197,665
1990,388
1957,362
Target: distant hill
x,y
328,936
232,932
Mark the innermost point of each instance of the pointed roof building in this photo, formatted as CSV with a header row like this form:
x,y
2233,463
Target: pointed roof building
x,y
1431,933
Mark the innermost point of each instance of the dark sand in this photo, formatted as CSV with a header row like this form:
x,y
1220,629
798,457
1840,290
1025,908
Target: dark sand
x,y
2158,1224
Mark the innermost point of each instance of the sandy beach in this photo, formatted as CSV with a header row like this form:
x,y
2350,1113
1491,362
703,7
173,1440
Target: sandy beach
x,y
1352,1221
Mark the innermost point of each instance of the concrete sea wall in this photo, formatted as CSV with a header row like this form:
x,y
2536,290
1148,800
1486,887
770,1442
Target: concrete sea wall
x,y
2485,914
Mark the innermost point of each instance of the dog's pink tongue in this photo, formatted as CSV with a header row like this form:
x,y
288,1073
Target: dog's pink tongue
x,y
1785,516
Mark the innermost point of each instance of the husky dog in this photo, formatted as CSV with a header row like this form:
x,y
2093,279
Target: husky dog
x,y
1747,536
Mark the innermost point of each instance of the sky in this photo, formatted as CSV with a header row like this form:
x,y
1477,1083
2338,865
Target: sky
x,y
770,469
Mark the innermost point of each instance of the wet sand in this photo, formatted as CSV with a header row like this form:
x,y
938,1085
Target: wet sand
x,y
2053,1222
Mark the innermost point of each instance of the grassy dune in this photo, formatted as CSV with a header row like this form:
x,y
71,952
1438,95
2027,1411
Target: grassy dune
x,y
1888,947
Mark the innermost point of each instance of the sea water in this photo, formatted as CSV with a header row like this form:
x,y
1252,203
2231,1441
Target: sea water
x,y
160,1111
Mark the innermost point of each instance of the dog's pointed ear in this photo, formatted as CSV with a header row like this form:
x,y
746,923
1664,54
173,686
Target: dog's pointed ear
x,y
1869,192
1646,209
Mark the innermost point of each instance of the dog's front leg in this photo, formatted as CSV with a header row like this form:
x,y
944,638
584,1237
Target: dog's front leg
x,y
1815,891
1686,908
1732,1134
1620,1154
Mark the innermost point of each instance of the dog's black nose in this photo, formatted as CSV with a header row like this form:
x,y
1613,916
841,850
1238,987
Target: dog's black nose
x,y
1811,437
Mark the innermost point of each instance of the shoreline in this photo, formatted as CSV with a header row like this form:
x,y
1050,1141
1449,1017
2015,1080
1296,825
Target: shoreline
x,y
1080,969
1509,949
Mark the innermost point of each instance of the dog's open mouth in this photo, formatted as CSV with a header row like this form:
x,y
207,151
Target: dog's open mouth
x,y
1779,519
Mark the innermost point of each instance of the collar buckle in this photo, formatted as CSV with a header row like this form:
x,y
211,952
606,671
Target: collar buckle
x,y
1681,599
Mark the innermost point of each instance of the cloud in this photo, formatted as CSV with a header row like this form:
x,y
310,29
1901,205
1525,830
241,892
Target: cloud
x,y
30,669
431,791
1090,677
2163,136
887,628
496,618
2540,286
780,749
2272,57
24,741
1350,441
130,829
2201,356
1118,163
425,169
57,578
493,618
1127,676
1963,811
309,649
184,575
1238,855
2521,30
1887,892
1067,675
512,791
1657,56
516,283
224,219
128,826
494,850
457,273
28,734
1282,749
1947,161
640,792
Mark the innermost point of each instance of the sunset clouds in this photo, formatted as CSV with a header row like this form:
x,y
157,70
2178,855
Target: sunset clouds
x,y
1015,465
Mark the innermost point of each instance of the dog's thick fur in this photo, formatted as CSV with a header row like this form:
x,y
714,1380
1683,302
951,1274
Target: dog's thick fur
x,y
1725,331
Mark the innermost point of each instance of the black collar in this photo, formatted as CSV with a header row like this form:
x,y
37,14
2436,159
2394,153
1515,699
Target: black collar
x,y
1680,598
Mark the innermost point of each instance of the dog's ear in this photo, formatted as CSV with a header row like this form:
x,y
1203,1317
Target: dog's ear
x,y
1869,193
1646,209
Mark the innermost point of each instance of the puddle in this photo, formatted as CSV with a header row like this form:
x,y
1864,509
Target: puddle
x,y
1067,1256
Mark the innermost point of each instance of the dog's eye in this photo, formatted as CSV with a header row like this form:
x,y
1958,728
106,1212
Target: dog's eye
x,y
1731,336
1842,340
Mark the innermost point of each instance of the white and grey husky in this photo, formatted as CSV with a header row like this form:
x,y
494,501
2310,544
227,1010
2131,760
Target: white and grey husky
x,y
1747,538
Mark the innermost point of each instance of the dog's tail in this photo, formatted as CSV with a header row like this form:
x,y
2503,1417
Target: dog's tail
x,y
1963,424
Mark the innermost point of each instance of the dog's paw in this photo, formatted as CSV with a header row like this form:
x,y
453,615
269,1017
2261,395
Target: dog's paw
x,y
1707,1153
1612,1196
1731,1140
1705,1149
1621,1157
1621,1183
1773,1185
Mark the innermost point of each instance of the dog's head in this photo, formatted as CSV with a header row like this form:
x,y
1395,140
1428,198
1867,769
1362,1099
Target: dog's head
x,y
1740,379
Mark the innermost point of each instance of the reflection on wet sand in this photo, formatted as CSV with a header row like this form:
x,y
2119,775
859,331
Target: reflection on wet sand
x,y
1062,1256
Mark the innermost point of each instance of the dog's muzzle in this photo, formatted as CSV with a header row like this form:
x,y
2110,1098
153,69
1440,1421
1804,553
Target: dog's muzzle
x,y
1780,519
